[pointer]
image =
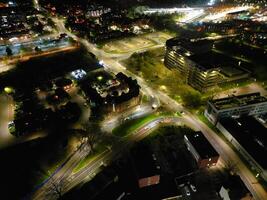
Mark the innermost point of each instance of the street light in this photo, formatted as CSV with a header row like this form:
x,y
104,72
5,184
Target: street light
x,y
100,78
8,90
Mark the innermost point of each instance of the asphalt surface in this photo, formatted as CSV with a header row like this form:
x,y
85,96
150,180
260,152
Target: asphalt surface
x,y
112,64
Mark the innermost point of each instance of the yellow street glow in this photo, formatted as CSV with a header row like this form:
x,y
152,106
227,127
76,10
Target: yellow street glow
x,y
8,90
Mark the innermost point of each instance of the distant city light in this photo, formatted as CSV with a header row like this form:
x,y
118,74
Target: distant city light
x,y
211,2
13,39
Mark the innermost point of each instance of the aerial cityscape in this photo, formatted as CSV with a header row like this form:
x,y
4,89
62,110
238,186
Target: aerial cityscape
x,y
133,99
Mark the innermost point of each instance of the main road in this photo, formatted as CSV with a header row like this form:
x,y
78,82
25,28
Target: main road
x,y
225,151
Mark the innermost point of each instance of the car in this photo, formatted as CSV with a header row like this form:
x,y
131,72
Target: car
x,y
194,189
187,191
154,106
127,118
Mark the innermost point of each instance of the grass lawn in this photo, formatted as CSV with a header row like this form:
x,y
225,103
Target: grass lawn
x,y
149,65
207,122
131,125
145,99
241,83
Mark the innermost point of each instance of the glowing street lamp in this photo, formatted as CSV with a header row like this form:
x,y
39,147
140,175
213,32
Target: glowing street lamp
x,y
8,90
100,78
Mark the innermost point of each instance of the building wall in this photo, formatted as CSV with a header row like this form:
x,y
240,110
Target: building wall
x,y
173,60
243,152
124,105
208,162
201,162
192,149
194,75
213,115
203,80
153,180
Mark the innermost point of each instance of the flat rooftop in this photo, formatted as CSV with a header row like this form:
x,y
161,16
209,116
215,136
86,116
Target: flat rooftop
x,y
202,145
194,46
251,135
238,101
211,59
144,164
232,71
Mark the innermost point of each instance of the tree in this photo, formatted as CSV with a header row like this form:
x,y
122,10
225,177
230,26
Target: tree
x,y
91,131
192,99
57,188
37,49
9,51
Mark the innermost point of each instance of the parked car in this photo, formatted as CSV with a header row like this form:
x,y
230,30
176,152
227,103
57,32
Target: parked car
x,y
187,191
194,189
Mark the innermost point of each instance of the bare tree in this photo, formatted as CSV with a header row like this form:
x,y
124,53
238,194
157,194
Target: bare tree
x,y
91,131
57,188
231,167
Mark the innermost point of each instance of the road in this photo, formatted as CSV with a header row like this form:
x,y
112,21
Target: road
x,y
108,156
46,190
227,154
250,88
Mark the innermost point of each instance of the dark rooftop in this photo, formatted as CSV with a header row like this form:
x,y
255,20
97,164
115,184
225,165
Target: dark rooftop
x,y
237,101
211,59
236,187
251,135
202,145
194,46
144,164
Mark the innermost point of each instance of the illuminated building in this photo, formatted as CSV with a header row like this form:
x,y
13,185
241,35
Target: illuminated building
x,y
182,55
199,65
235,106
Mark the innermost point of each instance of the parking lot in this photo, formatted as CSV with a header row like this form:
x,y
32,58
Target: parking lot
x,y
136,43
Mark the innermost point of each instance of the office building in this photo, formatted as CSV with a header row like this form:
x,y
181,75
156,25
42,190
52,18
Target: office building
x,y
235,106
201,67
201,149
249,138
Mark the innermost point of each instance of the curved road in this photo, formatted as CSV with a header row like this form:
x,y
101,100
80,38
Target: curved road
x,y
227,154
